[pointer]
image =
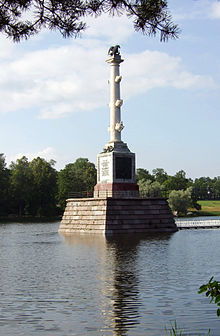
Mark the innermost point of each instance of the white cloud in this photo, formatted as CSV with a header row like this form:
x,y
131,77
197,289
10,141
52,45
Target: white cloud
x,y
66,78
48,154
190,10
153,69
196,10
215,10
6,48
113,29
61,80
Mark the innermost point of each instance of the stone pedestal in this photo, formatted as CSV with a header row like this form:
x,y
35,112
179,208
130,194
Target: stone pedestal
x,y
117,216
116,172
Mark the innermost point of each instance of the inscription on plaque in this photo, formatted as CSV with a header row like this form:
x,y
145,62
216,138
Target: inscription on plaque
x,y
123,168
105,168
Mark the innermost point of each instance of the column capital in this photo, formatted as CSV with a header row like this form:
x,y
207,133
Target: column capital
x,y
115,59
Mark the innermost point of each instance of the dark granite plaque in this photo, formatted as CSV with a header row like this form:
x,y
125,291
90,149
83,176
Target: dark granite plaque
x,y
123,168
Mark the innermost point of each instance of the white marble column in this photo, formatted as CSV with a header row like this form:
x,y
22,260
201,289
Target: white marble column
x,y
116,102
116,163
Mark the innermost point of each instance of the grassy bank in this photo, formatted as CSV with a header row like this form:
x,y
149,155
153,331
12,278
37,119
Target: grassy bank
x,y
208,208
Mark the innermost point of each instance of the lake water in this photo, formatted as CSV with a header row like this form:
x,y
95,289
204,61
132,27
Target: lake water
x,y
90,285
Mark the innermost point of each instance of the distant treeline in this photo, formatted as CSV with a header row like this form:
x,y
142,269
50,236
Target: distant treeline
x,y
203,188
37,189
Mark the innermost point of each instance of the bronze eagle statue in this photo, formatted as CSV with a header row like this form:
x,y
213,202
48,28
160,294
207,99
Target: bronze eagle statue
x,y
114,50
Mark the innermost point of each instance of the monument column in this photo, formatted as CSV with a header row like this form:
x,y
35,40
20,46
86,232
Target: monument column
x,y
116,164
116,102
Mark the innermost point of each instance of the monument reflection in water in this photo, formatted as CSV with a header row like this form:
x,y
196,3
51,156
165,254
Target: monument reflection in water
x,y
121,300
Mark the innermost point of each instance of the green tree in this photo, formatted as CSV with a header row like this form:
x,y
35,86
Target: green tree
x,y
4,186
67,16
180,201
203,188
147,188
21,185
160,175
182,182
143,174
76,177
44,180
216,187
177,182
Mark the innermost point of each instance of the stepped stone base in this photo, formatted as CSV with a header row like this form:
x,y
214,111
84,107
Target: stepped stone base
x,y
114,215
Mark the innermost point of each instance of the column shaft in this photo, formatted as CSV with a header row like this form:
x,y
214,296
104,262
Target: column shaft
x,y
115,111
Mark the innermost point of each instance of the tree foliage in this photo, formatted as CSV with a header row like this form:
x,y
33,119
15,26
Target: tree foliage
x,y
33,187
207,188
76,177
177,182
180,200
143,174
4,185
147,188
160,175
212,290
44,182
21,186
36,189
23,18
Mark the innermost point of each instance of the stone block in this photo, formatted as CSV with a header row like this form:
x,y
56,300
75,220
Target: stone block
x,y
113,215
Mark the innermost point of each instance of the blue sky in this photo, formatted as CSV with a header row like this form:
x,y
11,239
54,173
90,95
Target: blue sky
x,y
54,93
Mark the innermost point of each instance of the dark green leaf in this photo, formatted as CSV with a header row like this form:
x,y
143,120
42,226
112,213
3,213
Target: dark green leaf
x,y
207,293
211,279
217,300
202,289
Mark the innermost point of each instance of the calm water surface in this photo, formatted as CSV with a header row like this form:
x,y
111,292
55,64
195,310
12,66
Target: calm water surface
x,y
89,285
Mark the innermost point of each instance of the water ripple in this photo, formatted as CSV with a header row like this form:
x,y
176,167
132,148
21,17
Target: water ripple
x,y
90,285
